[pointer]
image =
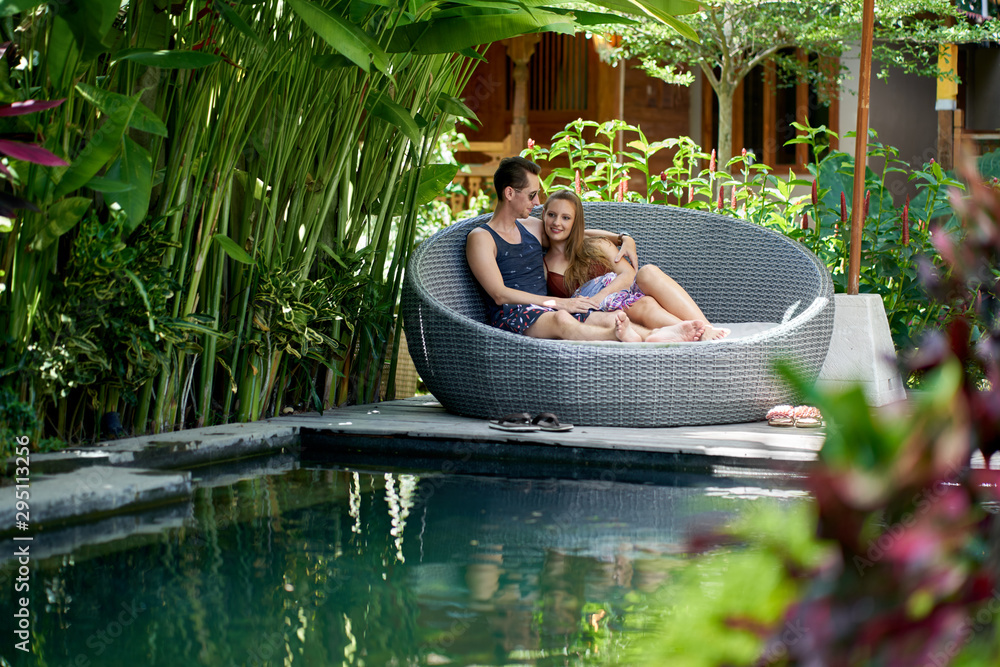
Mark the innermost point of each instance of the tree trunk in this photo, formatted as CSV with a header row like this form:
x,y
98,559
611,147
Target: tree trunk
x,y
725,136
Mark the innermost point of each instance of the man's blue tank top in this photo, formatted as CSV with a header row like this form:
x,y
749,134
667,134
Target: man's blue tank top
x,y
520,264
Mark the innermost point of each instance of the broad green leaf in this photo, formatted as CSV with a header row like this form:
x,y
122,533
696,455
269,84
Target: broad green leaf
x,y
233,249
11,7
343,36
480,9
230,16
470,52
562,28
331,61
456,107
88,21
586,19
62,55
99,150
664,11
671,7
145,120
172,59
135,167
434,178
101,184
389,111
62,217
455,34
152,30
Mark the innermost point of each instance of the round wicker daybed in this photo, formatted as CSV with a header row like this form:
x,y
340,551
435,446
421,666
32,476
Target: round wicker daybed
x,y
736,271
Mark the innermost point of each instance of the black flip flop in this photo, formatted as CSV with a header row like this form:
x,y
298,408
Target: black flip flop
x,y
547,421
519,421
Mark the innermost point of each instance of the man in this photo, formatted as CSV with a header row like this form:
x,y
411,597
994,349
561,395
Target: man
x,y
506,254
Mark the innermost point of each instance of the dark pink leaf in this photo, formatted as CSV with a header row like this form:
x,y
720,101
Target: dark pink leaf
x,y
31,153
28,106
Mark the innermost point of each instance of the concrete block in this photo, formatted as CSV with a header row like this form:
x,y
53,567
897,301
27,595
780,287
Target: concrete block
x,y
861,351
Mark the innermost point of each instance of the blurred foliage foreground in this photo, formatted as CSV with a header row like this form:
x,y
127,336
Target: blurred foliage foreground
x,y
897,565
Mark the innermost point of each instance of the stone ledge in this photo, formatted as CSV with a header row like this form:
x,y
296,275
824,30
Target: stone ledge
x,y
91,491
173,450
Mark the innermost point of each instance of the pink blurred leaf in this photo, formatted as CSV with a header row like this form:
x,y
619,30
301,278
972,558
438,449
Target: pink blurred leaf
x,y
31,153
28,106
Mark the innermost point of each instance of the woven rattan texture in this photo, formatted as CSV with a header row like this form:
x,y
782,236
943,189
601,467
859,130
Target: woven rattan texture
x,y
736,271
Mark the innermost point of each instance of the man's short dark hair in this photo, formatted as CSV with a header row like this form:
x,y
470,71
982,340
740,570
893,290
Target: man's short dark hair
x,y
513,172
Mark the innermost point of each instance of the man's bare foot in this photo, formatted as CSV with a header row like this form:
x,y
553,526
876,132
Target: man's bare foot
x,y
682,332
714,333
624,330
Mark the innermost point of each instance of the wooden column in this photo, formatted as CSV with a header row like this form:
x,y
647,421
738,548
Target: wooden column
x,y
520,49
947,103
861,148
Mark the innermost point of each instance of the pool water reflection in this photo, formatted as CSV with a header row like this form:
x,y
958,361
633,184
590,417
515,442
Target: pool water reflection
x,y
328,566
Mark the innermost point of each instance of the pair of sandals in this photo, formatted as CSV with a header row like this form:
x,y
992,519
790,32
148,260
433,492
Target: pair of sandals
x,y
522,421
801,416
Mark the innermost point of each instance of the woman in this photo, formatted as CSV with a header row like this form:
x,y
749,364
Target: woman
x,y
586,266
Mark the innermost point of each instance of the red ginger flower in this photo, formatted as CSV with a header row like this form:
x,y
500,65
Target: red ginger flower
x,y
732,197
815,193
690,193
721,188
868,196
711,163
531,143
576,181
843,207
805,221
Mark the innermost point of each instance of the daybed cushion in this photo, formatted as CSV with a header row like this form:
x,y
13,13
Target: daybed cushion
x,y
738,272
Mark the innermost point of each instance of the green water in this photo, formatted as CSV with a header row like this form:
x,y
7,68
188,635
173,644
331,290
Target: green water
x,y
327,566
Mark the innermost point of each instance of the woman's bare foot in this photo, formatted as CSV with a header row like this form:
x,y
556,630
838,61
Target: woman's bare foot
x,y
714,333
682,332
624,330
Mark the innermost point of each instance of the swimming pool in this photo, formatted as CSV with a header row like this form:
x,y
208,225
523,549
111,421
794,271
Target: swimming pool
x,y
321,564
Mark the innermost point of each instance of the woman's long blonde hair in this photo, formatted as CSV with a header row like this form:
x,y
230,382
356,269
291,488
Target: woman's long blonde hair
x,y
583,254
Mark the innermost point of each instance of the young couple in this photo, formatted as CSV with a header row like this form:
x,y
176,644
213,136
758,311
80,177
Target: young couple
x,y
508,259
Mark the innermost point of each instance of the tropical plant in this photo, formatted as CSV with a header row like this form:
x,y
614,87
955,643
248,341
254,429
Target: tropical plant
x,y
736,36
285,147
100,337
